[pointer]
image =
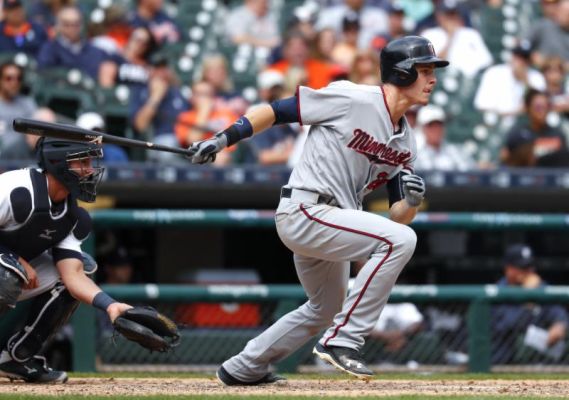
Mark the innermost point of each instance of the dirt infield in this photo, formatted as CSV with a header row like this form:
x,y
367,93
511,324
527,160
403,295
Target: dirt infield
x,y
314,387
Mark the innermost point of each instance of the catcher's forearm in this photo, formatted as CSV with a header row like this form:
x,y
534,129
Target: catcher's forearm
x,y
79,285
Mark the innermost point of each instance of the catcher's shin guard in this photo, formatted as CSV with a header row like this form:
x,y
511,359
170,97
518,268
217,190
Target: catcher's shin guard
x,y
49,312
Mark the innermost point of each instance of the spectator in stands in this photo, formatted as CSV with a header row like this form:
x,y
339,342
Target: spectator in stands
x,y
215,71
372,20
69,50
518,149
346,48
13,104
112,154
155,107
113,32
149,13
204,119
396,27
17,32
253,24
296,54
396,326
502,86
553,70
550,147
365,67
44,12
437,154
550,35
22,147
277,147
414,8
132,67
542,327
463,47
323,45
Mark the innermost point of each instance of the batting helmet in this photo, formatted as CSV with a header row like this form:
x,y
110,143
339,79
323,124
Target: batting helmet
x,y
54,156
399,57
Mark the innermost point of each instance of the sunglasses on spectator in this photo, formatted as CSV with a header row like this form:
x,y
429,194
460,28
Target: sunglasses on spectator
x,y
10,78
71,23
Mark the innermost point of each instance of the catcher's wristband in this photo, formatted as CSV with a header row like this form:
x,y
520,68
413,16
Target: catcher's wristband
x,y
102,301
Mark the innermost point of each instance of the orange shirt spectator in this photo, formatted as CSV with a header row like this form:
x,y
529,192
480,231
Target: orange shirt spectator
x,y
296,54
204,119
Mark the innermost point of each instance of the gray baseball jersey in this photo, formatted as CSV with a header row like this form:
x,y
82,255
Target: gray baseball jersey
x,y
351,149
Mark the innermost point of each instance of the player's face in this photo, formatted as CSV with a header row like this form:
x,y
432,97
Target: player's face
x,y
420,91
83,167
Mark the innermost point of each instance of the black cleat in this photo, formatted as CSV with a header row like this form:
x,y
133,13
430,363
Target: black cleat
x,y
35,370
345,359
229,380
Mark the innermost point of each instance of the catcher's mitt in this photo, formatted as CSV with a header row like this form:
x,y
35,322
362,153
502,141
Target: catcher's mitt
x,y
148,328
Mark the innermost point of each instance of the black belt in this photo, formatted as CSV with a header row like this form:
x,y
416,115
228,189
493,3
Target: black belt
x,y
322,199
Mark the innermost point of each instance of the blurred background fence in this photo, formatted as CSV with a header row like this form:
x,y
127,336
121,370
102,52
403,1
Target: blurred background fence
x,y
438,327
455,330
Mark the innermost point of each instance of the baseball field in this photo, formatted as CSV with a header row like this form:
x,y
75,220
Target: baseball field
x,y
305,386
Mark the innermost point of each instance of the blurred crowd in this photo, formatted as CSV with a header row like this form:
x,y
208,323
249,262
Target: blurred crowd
x,y
175,72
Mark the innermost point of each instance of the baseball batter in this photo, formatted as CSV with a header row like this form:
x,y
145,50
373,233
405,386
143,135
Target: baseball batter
x,y
359,140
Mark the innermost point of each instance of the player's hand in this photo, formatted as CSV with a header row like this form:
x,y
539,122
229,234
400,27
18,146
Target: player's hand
x,y
413,188
116,309
204,151
33,281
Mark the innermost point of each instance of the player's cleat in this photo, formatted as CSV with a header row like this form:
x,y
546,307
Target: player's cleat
x,y
345,359
229,380
35,370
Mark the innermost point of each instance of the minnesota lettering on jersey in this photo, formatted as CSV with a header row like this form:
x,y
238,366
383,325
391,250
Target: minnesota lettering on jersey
x,y
376,152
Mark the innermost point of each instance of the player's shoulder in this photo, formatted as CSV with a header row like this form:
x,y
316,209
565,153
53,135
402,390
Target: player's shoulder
x,y
15,178
356,91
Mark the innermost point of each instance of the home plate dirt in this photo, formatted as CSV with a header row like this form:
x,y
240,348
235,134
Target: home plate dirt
x,y
310,387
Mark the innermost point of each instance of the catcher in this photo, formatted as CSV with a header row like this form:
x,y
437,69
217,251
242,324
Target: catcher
x,y
41,230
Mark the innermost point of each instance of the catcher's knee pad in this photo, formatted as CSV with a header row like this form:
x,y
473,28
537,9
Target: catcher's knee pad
x,y
49,312
89,264
12,279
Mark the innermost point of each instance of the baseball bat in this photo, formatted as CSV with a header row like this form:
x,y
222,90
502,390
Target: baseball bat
x,y
72,132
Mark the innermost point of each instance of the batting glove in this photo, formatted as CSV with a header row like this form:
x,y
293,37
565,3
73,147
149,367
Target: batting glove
x,y
414,189
204,151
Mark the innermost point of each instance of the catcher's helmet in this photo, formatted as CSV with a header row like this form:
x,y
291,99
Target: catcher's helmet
x,y
54,156
399,57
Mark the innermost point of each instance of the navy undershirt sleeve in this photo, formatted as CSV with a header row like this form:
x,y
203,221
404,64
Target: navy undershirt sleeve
x,y
286,110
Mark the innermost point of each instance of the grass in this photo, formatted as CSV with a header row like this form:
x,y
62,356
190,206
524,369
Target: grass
x,y
270,397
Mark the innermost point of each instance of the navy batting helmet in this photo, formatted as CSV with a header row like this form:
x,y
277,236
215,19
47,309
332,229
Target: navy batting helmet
x,y
54,156
399,57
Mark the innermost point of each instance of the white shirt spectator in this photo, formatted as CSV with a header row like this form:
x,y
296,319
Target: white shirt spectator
x,y
467,52
373,21
398,317
242,22
448,157
500,92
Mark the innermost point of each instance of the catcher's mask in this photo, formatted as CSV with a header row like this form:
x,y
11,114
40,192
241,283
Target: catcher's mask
x,y
74,164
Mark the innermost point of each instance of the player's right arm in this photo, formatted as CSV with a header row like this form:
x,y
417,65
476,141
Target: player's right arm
x,y
326,106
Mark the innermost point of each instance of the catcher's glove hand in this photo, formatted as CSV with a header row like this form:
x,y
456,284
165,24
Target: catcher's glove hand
x,y
148,328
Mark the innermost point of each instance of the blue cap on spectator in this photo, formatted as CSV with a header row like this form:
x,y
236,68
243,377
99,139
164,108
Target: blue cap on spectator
x,y
523,49
519,137
448,6
519,255
395,8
